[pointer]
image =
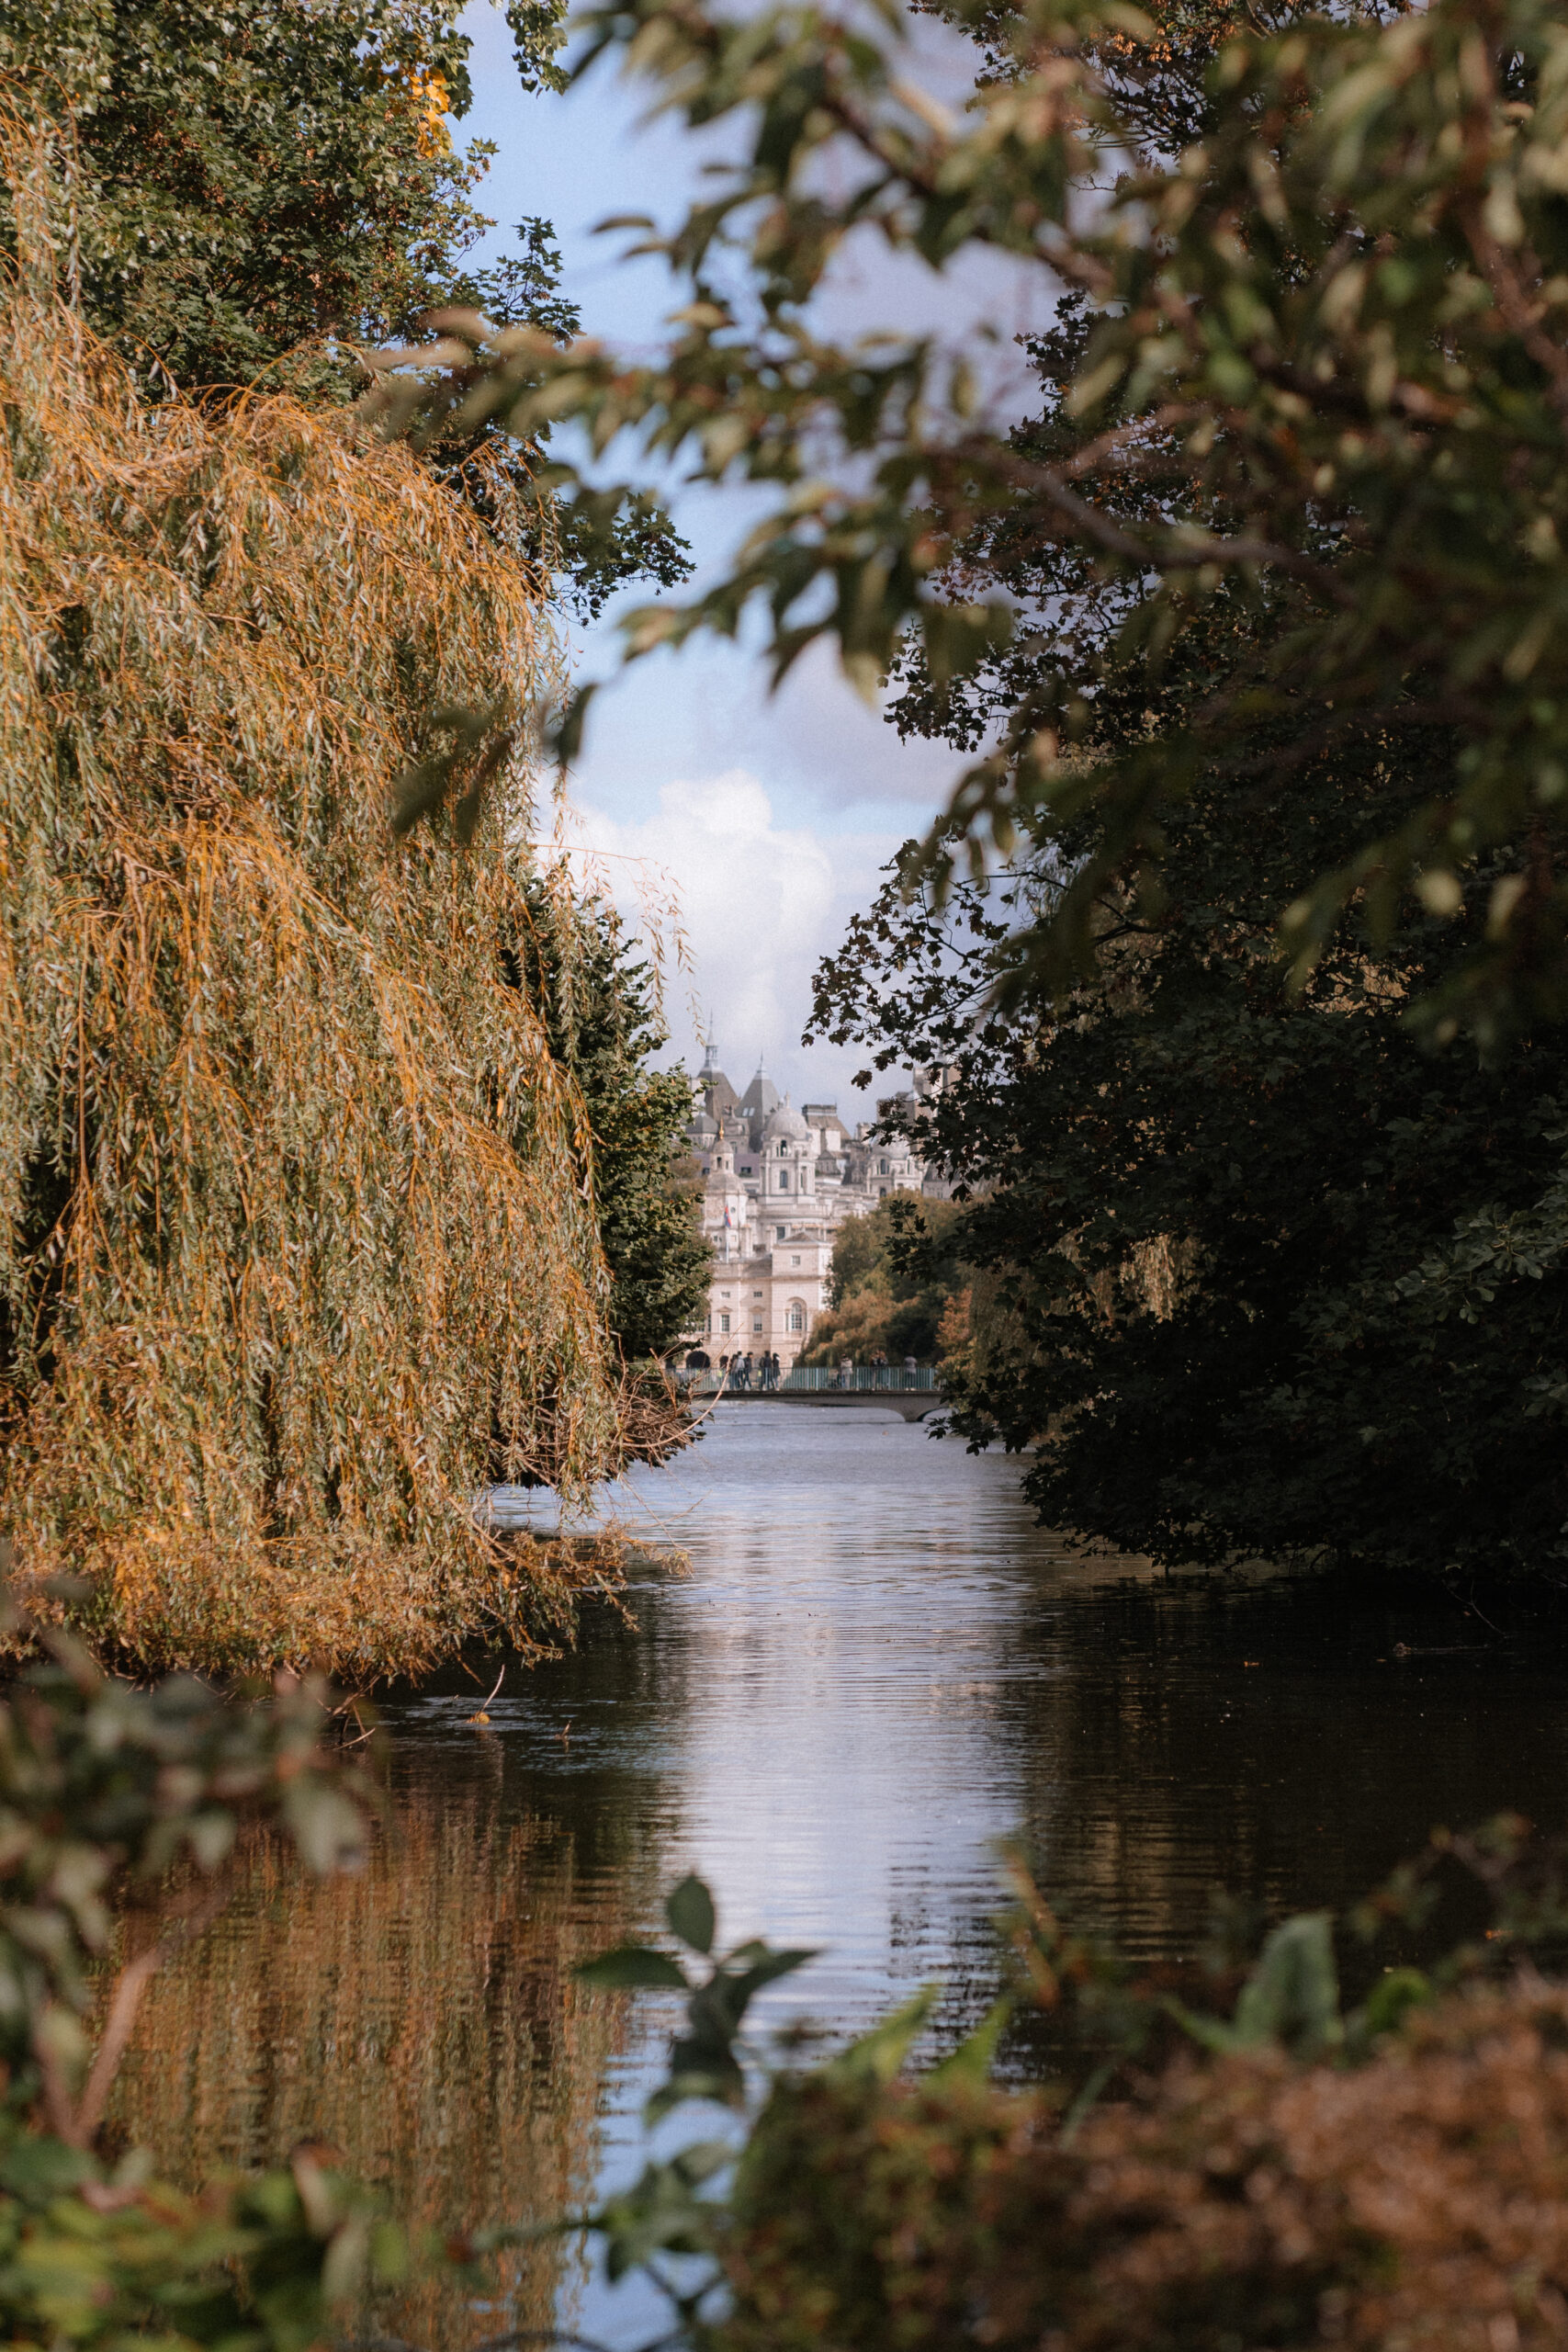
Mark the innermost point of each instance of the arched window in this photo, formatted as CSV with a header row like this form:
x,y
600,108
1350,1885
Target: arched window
x,y
795,1318
881,1168
783,1179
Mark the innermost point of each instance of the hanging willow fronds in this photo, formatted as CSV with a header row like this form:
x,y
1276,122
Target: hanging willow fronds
x,y
297,1235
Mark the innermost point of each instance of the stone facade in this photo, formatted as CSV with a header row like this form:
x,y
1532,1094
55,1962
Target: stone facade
x,y
777,1185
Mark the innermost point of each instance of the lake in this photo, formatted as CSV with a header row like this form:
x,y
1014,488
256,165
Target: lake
x,y
874,1668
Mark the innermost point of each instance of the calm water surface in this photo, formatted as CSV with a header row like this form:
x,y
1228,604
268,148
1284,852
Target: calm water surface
x,y
877,1668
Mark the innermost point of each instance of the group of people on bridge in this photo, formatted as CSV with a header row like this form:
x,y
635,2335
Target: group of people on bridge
x,y
742,1371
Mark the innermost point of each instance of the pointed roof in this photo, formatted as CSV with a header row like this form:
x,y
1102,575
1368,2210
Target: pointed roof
x,y
718,1097
761,1098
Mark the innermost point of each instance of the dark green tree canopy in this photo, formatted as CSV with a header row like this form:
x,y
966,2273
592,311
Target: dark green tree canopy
x,y
1254,1274
600,1002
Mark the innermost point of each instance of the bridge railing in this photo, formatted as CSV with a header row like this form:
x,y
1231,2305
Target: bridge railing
x,y
861,1378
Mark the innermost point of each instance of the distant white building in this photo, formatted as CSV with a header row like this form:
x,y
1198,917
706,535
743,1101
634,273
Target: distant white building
x,y
777,1185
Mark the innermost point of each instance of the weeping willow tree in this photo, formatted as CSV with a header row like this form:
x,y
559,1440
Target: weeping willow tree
x,y
298,1243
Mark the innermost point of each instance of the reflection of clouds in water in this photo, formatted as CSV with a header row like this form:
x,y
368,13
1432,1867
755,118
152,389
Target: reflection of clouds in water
x,y
845,1645
842,1768
854,1635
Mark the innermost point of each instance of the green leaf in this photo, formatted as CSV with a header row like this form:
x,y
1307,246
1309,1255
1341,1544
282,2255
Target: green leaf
x,y
564,736
634,1968
691,1914
1292,1997
878,2056
735,1985
975,2054
1398,1992
36,2168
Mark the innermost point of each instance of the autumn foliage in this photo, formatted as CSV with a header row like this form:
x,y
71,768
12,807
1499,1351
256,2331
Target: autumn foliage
x,y
1420,2199
297,1242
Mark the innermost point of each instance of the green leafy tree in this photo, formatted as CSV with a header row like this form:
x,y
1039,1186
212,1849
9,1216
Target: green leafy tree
x,y
600,1002
1256,1274
1327,377
894,1281
252,179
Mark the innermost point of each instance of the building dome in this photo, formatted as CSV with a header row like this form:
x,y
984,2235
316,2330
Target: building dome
x,y
784,1126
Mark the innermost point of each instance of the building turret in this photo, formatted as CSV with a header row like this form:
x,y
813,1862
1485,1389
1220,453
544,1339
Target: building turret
x,y
717,1096
788,1156
777,1185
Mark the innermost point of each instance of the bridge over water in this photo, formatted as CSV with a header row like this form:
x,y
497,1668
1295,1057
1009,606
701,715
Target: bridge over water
x,y
913,1395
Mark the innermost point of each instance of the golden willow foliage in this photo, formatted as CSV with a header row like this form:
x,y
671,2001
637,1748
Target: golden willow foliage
x,y
296,1246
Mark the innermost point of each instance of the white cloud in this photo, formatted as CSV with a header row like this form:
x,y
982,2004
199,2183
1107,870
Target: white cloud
x,y
758,904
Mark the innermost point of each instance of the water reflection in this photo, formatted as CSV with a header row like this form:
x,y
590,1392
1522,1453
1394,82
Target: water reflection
x,y
422,2018
876,1668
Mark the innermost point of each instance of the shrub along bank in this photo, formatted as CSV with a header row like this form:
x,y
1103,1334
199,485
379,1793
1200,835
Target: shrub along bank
x,y
1418,2200
1224,2166
102,1789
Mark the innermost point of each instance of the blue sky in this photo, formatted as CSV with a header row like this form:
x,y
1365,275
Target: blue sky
x,y
770,816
